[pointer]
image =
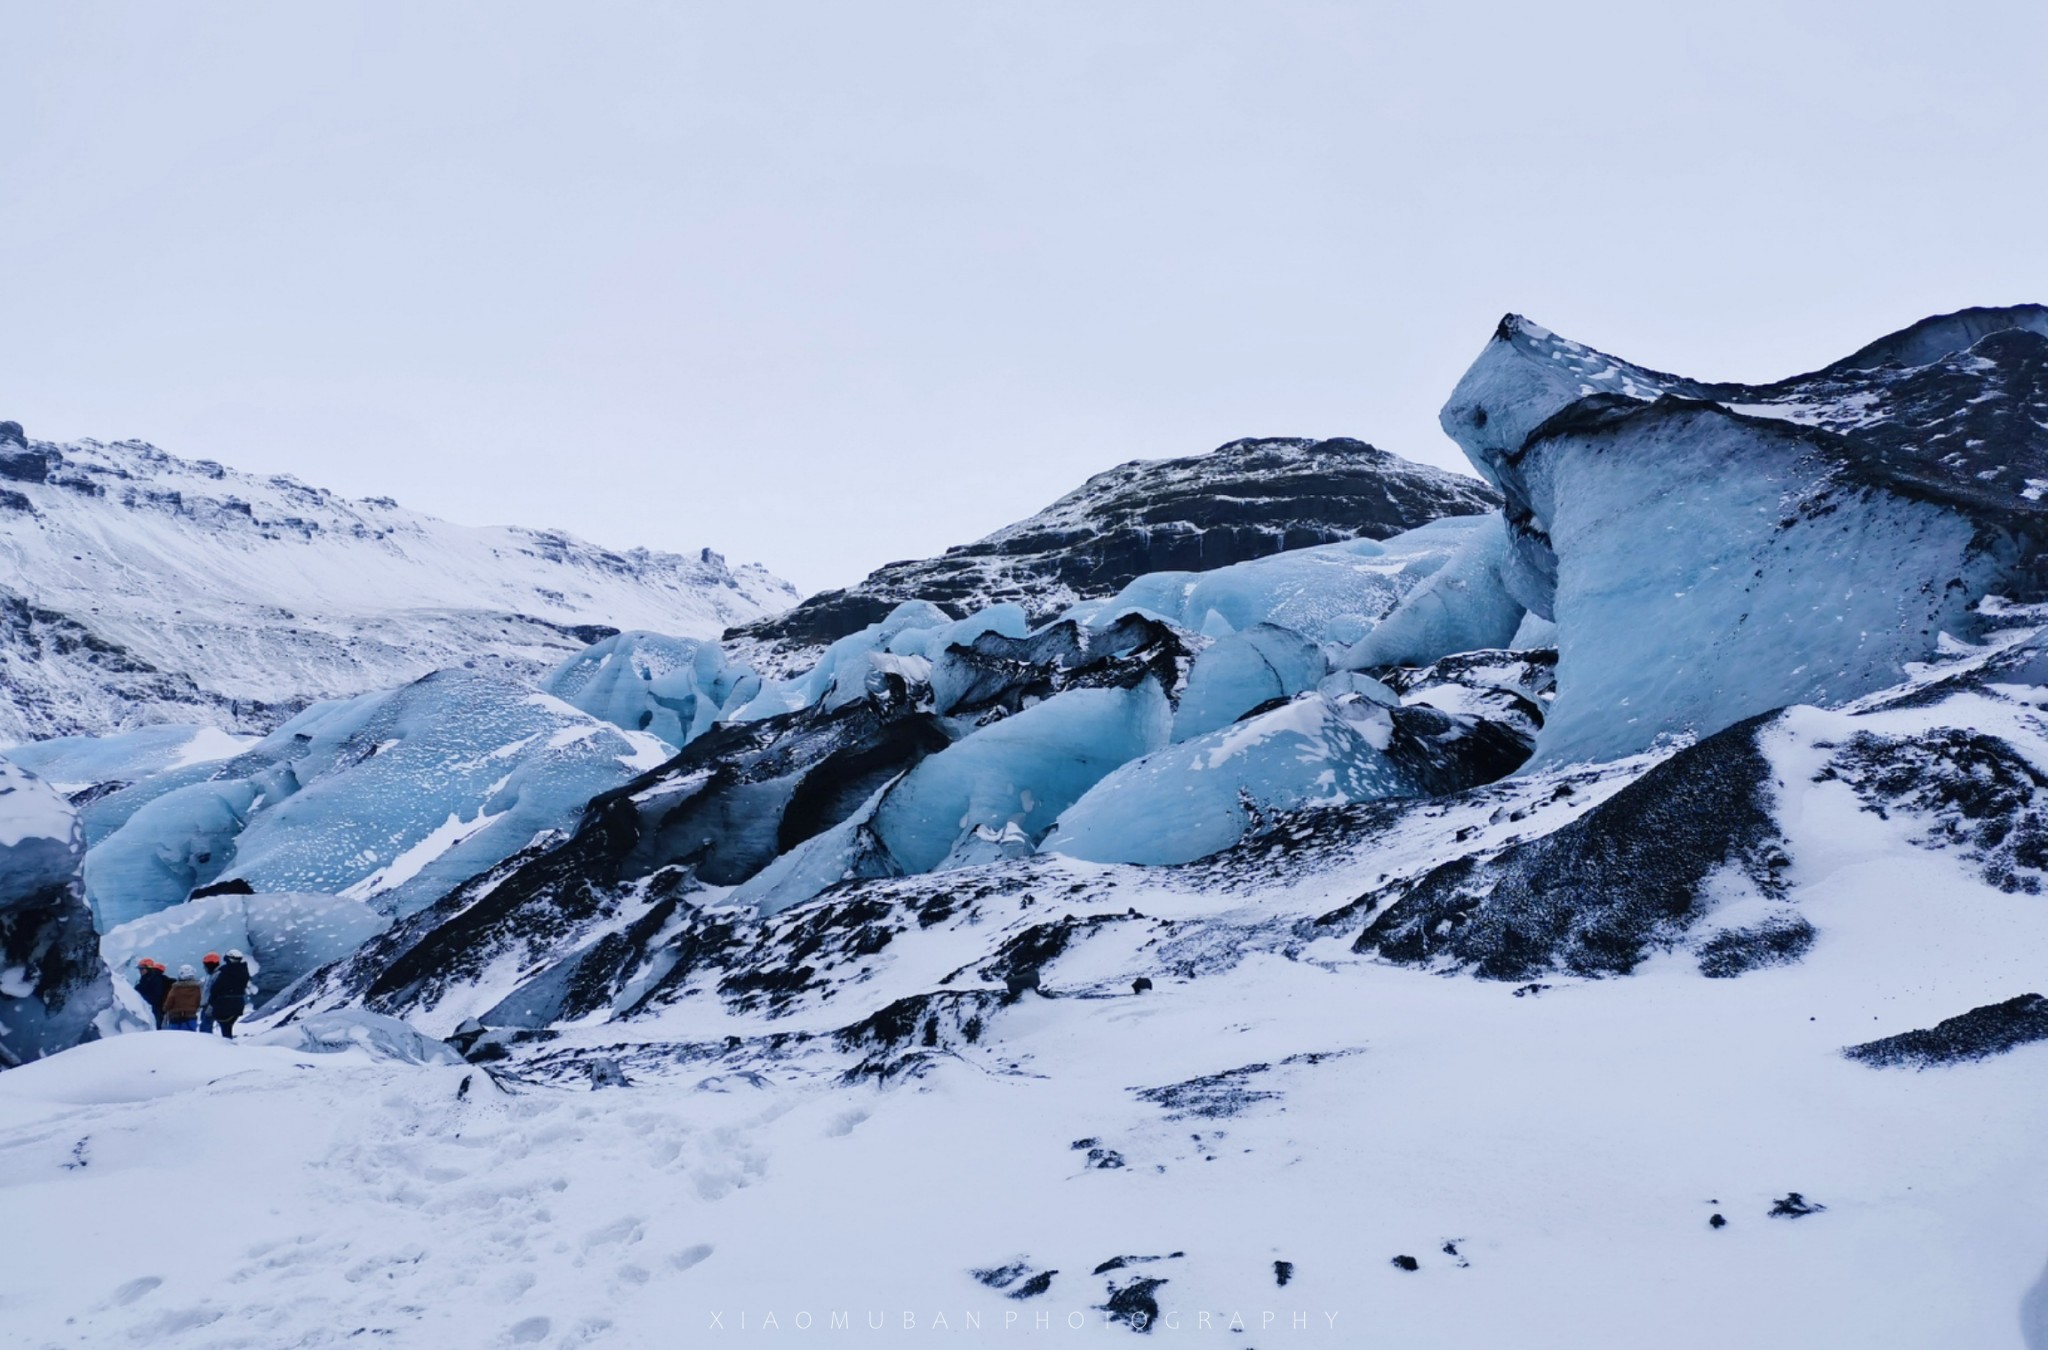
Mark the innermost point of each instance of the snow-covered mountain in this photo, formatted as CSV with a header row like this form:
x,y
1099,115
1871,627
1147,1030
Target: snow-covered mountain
x,y
1615,920
1243,500
137,587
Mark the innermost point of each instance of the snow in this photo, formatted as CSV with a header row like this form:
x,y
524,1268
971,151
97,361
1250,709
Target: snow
x,y
30,809
243,597
1570,1144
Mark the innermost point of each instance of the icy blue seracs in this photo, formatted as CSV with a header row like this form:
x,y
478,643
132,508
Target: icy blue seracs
x,y
672,688
1023,770
391,798
76,763
1188,800
1330,594
1242,670
903,645
285,937
1463,606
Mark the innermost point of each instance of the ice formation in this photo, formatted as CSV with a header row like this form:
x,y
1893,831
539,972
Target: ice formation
x,y
1023,770
670,688
1713,551
390,798
1330,594
53,991
1463,606
286,936
1193,799
1243,670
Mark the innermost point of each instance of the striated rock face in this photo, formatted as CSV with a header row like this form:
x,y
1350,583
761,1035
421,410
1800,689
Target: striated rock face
x,y
1245,500
1889,492
52,985
137,587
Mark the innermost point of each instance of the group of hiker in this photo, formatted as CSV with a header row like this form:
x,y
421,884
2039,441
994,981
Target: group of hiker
x,y
196,1002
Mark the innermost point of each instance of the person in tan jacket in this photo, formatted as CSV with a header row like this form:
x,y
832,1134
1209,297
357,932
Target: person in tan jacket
x,y
182,1000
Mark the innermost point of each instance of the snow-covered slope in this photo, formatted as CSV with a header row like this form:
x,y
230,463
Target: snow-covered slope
x,y
1211,958
1177,1099
1244,500
138,587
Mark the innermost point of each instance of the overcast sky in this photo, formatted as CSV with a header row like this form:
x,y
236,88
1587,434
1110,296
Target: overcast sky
x,y
823,285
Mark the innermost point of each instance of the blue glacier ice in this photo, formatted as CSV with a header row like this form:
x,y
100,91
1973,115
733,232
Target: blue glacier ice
x,y
1242,670
392,798
1330,594
841,673
171,846
848,851
54,991
669,687
1708,552
1022,770
1189,800
1463,606
76,763
285,936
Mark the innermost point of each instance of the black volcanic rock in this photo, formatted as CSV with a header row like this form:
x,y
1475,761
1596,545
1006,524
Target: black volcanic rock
x,y
1977,1034
1244,500
1598,895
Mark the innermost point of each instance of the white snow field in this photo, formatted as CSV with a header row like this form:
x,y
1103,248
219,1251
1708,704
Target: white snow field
x,y
1549,1154
139,587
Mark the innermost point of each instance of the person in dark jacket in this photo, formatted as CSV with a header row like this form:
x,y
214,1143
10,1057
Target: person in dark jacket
x,y
209,967
153,984
228,993
182,1000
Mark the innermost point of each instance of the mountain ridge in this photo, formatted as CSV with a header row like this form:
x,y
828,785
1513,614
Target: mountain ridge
x,y
1247,498
137,586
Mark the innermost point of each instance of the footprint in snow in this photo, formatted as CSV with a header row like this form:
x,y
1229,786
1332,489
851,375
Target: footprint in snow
x,y
529,1332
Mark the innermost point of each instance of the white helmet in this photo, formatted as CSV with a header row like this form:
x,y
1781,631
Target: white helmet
x,y
235,954
187,973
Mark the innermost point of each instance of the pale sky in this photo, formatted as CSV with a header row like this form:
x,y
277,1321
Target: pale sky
x,y
823,285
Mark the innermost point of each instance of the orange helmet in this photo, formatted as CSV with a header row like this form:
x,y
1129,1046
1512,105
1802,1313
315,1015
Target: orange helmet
x,y
212,958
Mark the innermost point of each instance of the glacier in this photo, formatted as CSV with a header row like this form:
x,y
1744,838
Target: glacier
x,y
1085,904
1196,798
286,936
388,798
671,688
54,991
1329,594
1023,771
1857,514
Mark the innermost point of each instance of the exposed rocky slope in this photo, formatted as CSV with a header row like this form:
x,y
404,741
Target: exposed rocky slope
x,y
137,587
1244,500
